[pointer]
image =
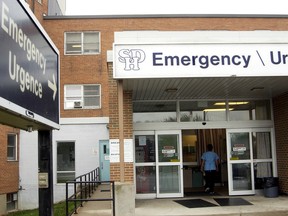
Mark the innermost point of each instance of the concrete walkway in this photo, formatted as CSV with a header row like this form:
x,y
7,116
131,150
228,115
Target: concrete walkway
x,y
261,206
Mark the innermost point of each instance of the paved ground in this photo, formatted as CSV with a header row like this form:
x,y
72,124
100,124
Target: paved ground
x,y
261,206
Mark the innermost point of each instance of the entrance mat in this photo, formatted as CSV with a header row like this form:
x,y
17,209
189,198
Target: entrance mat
x,y
232,201
200,193
195,203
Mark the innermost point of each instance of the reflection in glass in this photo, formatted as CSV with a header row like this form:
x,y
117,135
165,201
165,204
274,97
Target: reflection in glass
x,y
144,148
240,148
241,177
65,161
169,181
252,110
189,145
156,111
263,169
146,179
202,111
168,150
261,145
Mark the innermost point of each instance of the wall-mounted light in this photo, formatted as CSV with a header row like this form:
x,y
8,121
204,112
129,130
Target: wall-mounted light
x,y
29,128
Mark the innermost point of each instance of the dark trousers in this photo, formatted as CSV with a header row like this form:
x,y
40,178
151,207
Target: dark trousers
x,y
210,179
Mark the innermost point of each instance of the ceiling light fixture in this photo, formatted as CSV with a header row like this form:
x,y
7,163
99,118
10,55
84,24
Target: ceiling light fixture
x,y
231,103
216,110
76,46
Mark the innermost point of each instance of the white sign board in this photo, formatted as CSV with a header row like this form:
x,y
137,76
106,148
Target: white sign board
x,y
115,150
199,60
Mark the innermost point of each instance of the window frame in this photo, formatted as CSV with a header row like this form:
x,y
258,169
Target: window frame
x,y
11,201
15,147
81,98
57,161
82,36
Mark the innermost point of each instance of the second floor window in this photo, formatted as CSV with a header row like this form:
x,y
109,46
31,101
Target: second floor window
x,y
82,97
82,43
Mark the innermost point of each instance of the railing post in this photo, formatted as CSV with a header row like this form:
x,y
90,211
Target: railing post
x,y
113,197
67,203
81,191
85,186
75,196
89,185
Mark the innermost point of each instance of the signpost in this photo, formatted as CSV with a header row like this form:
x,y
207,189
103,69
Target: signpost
x,y
29,62
29,86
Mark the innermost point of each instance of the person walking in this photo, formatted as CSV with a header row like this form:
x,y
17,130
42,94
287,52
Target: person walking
x,y
209,166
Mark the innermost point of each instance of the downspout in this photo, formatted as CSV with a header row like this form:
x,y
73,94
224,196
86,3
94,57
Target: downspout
x,y
33,6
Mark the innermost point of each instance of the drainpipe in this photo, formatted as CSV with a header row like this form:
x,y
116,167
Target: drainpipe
x,y
121,129
33,6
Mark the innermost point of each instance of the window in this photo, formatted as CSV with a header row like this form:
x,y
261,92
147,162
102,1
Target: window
x,y
65,161
12,147
249,110
194,111
82,97
11,201
158,111
82,43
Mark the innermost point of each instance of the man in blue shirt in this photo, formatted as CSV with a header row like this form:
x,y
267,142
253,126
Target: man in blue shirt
x,y
209,166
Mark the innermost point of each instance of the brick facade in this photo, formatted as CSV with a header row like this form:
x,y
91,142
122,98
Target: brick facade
x,y
114,125
280,108
9,175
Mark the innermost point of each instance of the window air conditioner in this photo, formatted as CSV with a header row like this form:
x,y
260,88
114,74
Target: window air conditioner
x,y
77,104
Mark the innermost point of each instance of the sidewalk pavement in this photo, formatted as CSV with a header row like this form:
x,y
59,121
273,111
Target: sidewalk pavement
x,y
261,206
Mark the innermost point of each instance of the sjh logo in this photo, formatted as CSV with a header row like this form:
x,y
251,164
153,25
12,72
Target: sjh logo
x,y
131,58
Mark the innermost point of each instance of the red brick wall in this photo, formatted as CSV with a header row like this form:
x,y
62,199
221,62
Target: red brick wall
x,y
280,107
9,170
114,126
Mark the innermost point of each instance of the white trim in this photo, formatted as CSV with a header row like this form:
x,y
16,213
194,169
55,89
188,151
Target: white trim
x,y
88,120
164,37
22,112
200,125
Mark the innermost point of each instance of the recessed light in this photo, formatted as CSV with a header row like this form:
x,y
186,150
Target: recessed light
x,y
171,90
256,88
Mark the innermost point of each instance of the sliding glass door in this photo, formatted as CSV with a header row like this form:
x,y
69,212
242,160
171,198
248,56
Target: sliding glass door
x,y
250,159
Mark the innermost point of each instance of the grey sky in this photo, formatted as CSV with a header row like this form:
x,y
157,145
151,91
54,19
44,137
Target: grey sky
x,y
117,7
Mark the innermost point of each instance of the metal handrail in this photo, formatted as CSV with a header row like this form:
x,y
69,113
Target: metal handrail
x,y
87,184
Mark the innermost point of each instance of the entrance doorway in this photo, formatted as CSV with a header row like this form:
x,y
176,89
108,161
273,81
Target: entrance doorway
x,y
104,160
194,145
167,163
158,157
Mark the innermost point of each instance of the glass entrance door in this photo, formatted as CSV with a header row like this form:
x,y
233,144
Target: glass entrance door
x,y
250,158
169,164
240,163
